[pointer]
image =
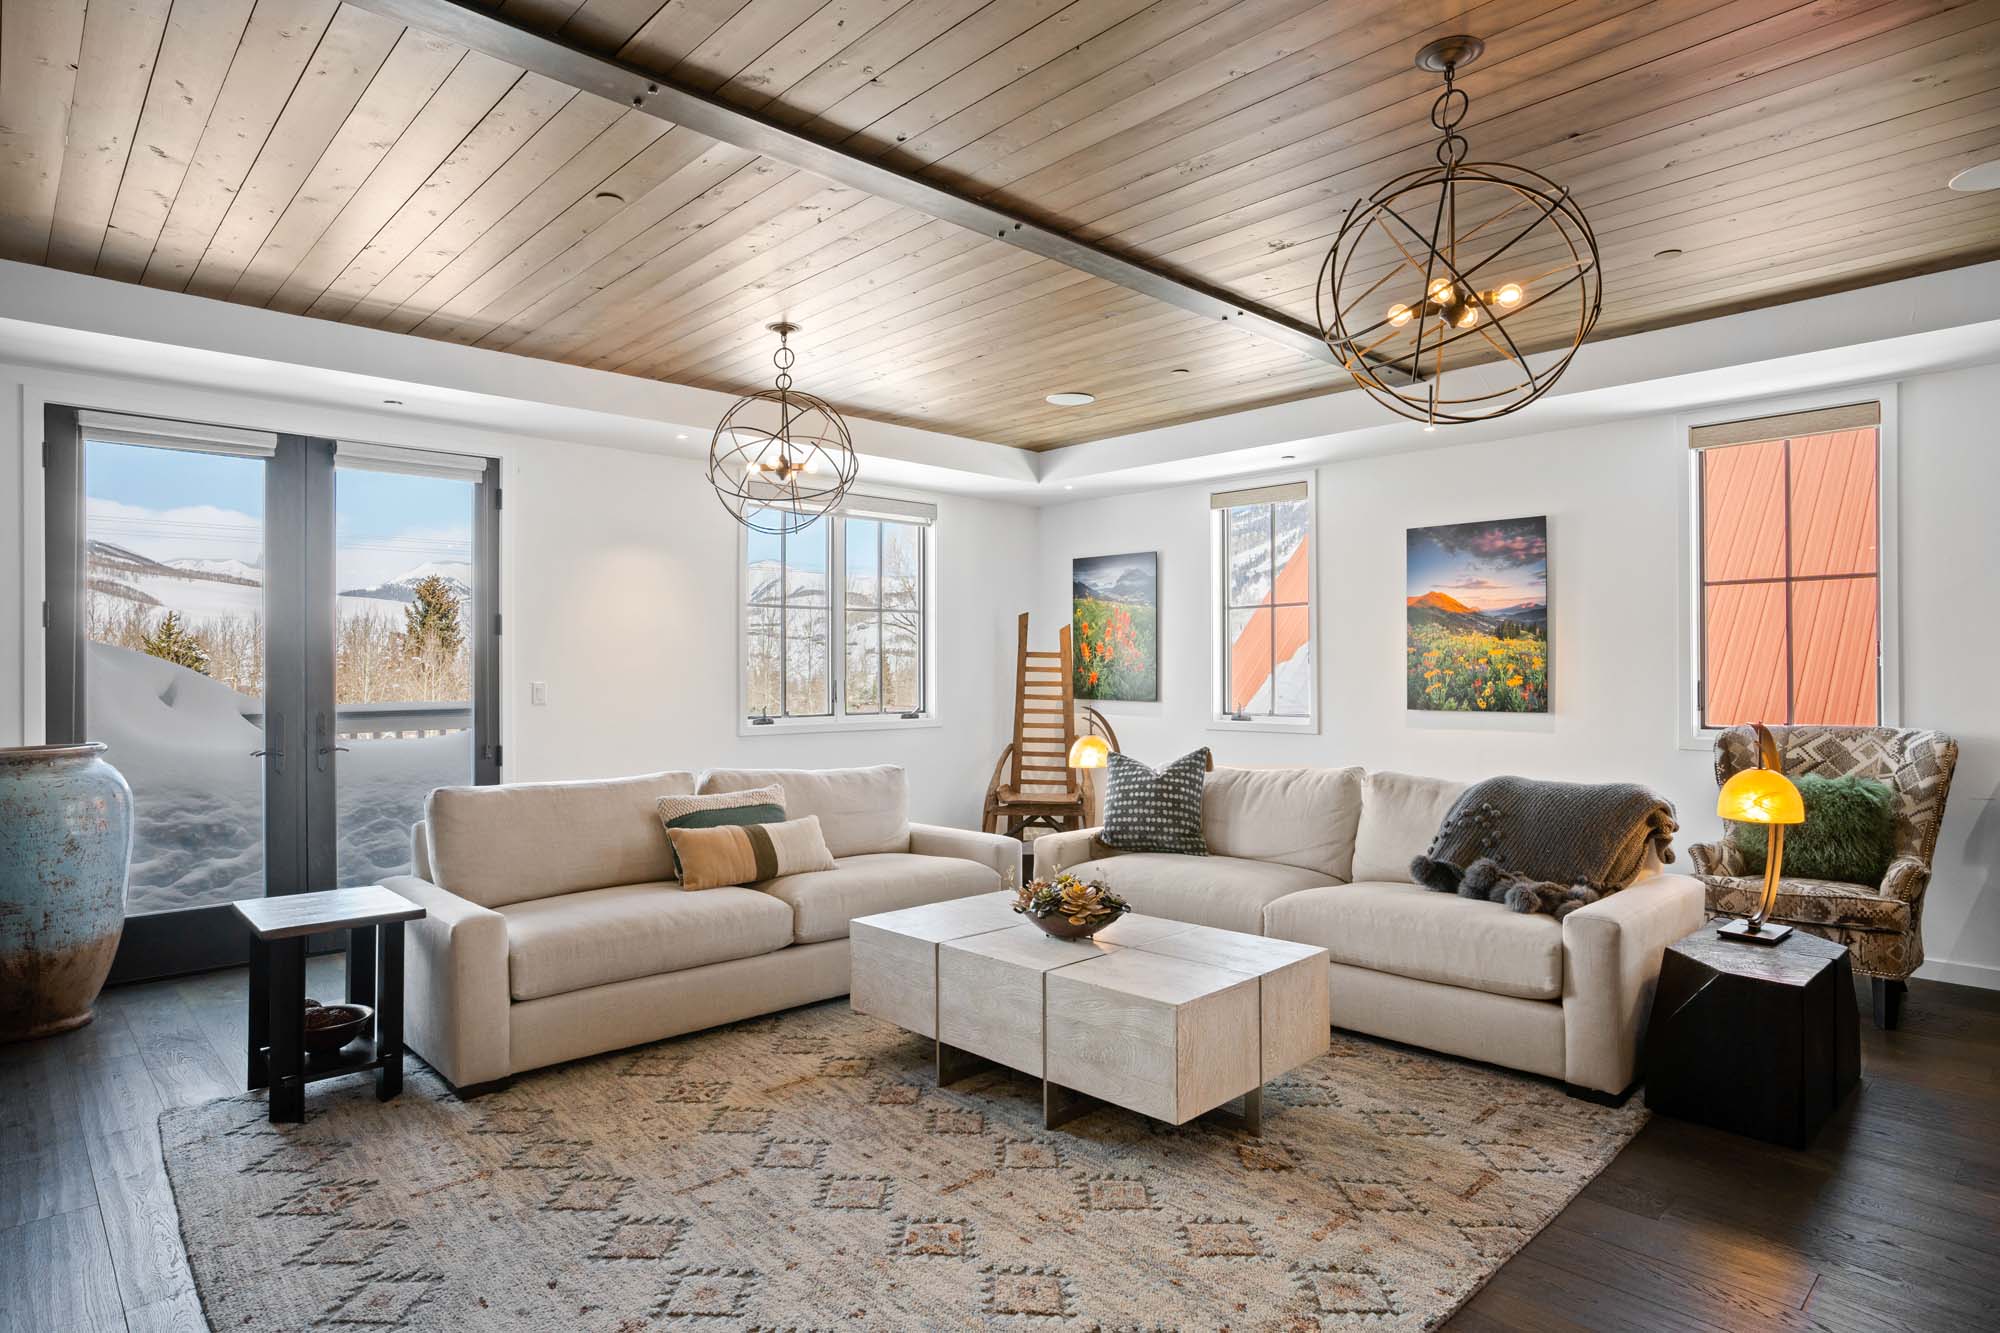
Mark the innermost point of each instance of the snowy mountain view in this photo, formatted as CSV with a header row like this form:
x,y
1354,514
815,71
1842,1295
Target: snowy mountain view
x,y
456,574
176,618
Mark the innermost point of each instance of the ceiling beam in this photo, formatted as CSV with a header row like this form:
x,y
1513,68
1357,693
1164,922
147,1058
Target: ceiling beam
x,y
486,32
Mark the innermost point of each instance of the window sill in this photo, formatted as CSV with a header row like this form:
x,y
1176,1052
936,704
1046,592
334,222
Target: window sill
x,y
1299,725
794,726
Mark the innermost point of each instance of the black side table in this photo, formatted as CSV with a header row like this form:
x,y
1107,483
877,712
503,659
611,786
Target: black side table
x,y
1757,1039
373,918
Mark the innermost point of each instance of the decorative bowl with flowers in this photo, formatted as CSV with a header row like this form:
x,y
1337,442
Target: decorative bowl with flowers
x,y
1068,908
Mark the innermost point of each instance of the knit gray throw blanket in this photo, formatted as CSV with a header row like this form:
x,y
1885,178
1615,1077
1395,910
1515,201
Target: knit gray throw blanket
x,y
1546,846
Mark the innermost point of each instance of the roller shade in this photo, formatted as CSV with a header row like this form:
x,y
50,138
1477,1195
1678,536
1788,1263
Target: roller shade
x,y
409,462
877,506
158,433
1789,426
1258,495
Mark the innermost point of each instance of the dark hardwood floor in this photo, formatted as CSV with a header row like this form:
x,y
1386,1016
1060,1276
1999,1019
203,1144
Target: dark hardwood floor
x,y
1891,1221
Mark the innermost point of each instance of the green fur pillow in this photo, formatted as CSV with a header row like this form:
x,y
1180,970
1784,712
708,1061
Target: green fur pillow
x,y
1849,833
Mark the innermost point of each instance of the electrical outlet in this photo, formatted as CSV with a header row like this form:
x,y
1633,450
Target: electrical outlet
x,y
538,693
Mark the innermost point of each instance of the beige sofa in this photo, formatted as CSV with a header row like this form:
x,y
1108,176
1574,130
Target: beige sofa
x,y
1322,856
556,930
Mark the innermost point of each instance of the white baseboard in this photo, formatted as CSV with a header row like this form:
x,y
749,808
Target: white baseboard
x,y
1963,974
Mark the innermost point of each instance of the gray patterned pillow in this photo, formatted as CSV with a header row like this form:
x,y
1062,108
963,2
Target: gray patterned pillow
x,y
1155,810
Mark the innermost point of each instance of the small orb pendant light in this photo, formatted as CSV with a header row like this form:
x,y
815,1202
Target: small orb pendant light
x,y
781,457
1459,292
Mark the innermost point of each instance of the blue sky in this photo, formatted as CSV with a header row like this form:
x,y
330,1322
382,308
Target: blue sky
x,y
163,499
1483,565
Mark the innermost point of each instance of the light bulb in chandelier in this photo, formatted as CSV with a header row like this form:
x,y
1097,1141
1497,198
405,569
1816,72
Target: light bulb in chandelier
x,y
1464,315
1399,314
1442,291
1509,294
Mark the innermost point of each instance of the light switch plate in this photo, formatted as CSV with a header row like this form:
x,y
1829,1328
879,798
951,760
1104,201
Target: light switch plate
x,y
538,692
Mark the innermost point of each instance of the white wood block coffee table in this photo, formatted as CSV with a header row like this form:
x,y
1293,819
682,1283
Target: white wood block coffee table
x,y
1160,1017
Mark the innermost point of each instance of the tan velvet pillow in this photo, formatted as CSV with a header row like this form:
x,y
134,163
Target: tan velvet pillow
x,y
729,854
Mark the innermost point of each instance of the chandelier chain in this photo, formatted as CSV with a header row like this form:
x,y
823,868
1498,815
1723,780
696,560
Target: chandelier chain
x,y
1447,112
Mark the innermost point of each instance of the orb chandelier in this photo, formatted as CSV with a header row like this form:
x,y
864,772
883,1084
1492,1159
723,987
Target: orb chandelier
x,y
781,457
1479,258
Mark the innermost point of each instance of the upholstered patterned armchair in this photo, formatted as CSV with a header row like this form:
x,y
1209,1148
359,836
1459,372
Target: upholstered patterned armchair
x,y
1881,925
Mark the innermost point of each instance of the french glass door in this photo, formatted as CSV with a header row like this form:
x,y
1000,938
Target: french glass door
x,y
284,642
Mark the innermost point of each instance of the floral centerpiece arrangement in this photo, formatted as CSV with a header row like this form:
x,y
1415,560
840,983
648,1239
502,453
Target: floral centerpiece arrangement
x,y
1068,908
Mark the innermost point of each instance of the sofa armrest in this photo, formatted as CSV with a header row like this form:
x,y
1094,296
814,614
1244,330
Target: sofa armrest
x,y
995,850
1906,879
1057,852
456,999
1611,963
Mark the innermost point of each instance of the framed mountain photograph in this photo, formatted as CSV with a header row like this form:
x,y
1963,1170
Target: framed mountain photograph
x,y
1476,612
1115,626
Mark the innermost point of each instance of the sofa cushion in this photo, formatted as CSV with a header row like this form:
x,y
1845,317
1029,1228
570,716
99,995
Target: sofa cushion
x,y
598,936
745,853
1809,902
822,902
861,810
1400,814
1302,817
1221,891
1149,809
508,844
1412,932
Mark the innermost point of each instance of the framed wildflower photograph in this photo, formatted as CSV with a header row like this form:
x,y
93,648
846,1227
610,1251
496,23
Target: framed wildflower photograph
x,y
1476,612
1115,626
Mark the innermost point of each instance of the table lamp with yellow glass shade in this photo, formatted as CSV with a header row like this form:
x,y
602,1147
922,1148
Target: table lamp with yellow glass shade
x,y
1762,795
1089,752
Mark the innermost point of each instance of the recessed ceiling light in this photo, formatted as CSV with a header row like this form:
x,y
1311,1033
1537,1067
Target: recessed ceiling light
x,y
1182,370
392,402
1068,487
1070,399
1666,254
612,195
1288,458
1985,176
682,436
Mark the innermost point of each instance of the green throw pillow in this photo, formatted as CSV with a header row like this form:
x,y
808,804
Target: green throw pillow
x,y
1849,834
758,805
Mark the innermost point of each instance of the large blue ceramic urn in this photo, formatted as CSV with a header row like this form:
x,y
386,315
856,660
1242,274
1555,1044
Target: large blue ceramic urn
x,y
65,849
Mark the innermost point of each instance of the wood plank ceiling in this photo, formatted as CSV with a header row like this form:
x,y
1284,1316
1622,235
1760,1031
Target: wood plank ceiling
x,y
318,158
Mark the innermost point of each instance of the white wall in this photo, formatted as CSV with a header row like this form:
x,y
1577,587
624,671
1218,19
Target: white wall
x,y
1613,497
618,587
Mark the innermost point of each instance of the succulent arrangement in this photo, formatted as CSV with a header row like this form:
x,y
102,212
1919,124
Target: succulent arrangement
x,y
1067,906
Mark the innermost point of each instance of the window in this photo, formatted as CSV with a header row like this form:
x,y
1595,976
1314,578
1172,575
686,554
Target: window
x,y
1263,544
834,617
1789,573
288,642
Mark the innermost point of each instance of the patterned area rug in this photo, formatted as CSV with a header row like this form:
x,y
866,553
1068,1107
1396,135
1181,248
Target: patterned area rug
x,y
801,1172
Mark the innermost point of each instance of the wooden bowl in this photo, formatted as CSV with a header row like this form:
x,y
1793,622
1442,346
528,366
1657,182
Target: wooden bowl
x,y
1060,927
331,1026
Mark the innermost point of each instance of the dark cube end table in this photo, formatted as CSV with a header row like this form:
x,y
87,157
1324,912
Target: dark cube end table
x,y
1762,1040
373,918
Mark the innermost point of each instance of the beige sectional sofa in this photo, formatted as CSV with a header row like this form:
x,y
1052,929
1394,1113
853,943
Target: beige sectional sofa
x,y
1322,856
556,930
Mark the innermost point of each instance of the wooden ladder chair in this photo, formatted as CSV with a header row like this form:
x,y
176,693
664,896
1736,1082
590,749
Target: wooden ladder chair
x,y
1041,790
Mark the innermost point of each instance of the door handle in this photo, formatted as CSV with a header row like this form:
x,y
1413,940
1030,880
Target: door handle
x,y
274,727
322,749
